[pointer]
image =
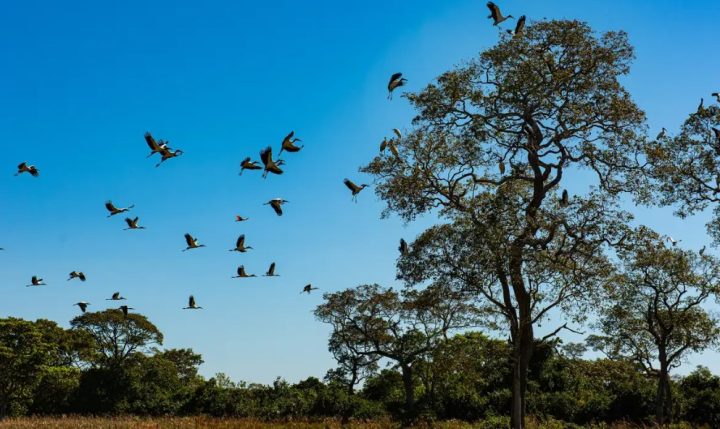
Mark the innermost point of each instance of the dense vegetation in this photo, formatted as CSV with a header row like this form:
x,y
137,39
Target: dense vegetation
x,y
48,370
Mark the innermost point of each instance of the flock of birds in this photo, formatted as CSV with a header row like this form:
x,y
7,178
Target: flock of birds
x,y
268,165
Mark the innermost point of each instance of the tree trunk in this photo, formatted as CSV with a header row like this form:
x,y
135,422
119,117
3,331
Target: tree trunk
x,y
663,404
522,349
407,376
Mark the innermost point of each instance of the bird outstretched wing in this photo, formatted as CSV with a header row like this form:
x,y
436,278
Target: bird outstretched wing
x,y
395,77
154,146
240,241
191,301
189,240
110,206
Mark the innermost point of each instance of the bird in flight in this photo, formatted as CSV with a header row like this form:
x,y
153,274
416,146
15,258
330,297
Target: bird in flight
x,y
288,144
270,165
133,223
240,245
519,27
241,274
23,167
168,153
308,288
271,271
495,14
192,243
672,240
125,309
36,281
355,189
247,164
239,218
77,275
403,248
115,297
83,305
114,210
155,147
191,304
276,204
396,81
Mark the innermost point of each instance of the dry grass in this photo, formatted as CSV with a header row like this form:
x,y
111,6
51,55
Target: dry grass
x,y
202,422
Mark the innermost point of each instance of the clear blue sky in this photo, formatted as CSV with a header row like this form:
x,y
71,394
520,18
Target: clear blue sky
x,y
82,82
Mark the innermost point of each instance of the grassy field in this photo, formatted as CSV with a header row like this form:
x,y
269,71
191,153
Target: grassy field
x,y
209,422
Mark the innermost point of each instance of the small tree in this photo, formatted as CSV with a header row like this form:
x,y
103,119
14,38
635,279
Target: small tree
x,y
496,138
654,316
382,323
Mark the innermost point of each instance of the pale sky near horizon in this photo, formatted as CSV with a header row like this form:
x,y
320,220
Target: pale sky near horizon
x,y
82,81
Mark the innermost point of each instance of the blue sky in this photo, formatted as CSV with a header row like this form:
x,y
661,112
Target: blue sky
x,y
82,82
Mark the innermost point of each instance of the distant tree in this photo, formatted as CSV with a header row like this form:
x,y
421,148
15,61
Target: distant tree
x,y
700,392
654,316
377,322
493,144
353,365
686,168
118,337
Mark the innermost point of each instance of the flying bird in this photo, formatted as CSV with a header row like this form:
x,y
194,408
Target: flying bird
x,y
672,240
565,199
192,243
23,167
308,288
125,309
396,81
276,204
36,281
355,189
288,144
114,210
519,27
247,164
239,218
403,247
495,14
83,305
240,245
241,274
271,271
270,165
155,147
133,223
191,304
168,153
661,135
115,297
77,275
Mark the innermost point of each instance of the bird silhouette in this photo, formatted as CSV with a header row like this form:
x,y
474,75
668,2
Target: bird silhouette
x,y
23,167
270,165
241,274
403,248
495,14
308,288
125,309
133,223
396,81
115,297
288,144
36,281
661,135
276,204
701,106
239,218
191,304
83,305
355,189
168,153
565,199
77,275
519,27
247,164
115,210
192,243
271,271
155,147
240,245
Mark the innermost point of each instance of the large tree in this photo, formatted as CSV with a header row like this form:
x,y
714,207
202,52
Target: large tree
x,y
686,167
655,316
494,141
402,327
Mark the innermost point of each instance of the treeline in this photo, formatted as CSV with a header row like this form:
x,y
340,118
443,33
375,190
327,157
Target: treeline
x,y
108,364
